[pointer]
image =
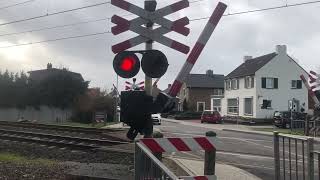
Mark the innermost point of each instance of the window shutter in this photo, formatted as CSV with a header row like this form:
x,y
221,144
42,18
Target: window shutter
x,y
263,82
245,82
275,81
252,82
299,84
237,83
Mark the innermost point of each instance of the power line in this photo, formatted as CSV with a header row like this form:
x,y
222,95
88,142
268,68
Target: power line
x,y
263,9
51,14
17,4
57,39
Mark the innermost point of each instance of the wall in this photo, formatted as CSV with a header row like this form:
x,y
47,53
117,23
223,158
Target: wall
x,y
200,95
44,115
284,68
240,93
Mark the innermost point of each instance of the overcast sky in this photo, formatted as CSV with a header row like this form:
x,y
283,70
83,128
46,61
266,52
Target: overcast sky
x,y
248,34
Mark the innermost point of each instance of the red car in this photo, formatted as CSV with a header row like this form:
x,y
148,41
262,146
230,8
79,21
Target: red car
x,y
211,117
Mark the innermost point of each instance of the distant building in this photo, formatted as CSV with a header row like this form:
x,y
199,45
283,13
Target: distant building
x,y
40,75
265,84
202,92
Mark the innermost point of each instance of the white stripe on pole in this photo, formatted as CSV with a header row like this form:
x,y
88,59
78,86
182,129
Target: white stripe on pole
x,y
166,145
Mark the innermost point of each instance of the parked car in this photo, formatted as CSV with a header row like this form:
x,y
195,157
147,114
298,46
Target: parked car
x,y
282,119
211,117
156,119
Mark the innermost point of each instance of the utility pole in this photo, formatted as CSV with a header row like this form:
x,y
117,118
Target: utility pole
x,y
149,5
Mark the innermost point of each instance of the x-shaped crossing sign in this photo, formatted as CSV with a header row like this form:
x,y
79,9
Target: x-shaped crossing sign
x,y
314,80
146,34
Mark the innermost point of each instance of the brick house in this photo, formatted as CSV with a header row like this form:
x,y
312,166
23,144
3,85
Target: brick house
x,y
202,92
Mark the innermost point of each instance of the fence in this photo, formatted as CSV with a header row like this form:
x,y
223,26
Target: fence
x,y
294,157
148,156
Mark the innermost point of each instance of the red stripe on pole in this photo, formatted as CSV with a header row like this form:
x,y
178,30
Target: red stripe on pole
x,y
153,145
195,53
128,83
121,4
217,14
121,46
179,5
313,87
175,88
200,178
303,78
204,143
180,47
179,144
127,87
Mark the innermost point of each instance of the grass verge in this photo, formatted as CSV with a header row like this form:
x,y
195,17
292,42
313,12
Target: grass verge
x,y
15,158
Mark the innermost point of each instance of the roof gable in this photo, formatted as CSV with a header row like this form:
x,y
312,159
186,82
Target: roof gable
x,y
251,66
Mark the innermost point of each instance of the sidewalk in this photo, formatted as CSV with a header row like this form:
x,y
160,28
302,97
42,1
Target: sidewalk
x,y
223,171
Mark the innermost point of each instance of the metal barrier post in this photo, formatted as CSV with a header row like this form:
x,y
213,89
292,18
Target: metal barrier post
x,y
310,160
307,126
137,162
210,158
276,155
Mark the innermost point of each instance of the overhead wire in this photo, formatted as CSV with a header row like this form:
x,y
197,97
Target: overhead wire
x,y
16,4
55,13
196,19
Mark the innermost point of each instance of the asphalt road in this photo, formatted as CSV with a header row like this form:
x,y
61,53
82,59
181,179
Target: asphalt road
x,y
250,152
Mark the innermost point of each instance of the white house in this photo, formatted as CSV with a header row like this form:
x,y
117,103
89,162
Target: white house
x,y
262,85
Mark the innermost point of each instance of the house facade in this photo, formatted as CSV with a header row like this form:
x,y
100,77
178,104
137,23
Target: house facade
x,y
201,92
262,85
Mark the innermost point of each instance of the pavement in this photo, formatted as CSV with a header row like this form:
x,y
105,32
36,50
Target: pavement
x,y
194,167
223,171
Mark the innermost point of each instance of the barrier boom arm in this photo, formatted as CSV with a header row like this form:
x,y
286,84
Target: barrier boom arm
x,y
197,49
312,94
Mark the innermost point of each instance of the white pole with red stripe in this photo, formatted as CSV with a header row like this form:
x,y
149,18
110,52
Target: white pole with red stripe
x,y
197,49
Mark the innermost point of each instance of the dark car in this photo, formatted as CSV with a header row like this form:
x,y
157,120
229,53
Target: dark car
x,y
282,119
211,117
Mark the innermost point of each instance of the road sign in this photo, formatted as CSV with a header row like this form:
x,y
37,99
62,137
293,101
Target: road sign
x,y
146,34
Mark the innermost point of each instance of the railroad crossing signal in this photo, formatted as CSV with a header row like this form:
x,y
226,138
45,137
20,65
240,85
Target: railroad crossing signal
x,y
145,34
127,64
133,86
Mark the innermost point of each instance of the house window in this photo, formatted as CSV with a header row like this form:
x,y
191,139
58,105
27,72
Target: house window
x,y
234,84
249,82
266,104
233,107
217,92
216,104
248,106
269,83
296,84
201,106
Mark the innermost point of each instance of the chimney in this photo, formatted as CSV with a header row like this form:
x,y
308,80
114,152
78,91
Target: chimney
x,y
209,72
246,58
49,66
281,49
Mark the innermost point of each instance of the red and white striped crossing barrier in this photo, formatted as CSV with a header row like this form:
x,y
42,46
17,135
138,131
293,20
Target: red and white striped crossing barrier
x,y
212,177
197,49
160,145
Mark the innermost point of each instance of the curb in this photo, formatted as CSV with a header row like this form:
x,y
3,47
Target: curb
x,y
249,132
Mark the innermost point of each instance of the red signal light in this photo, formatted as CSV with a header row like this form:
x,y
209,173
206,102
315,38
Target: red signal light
x,y
127,64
